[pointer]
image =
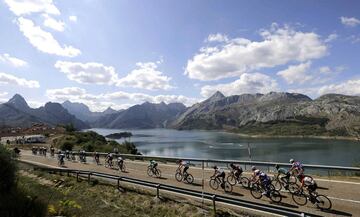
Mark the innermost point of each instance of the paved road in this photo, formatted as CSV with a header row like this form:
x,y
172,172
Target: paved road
x,y
345,194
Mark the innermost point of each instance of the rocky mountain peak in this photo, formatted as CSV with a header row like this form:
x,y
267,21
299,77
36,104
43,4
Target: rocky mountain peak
x,y
18,102
215,97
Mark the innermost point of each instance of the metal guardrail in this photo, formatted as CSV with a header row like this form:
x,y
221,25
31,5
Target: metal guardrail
x,y
198,194
242,162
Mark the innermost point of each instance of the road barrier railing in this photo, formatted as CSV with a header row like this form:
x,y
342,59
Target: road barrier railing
x,y
183,191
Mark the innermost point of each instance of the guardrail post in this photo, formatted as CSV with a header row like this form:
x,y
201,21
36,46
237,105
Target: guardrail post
x,y
77,176
89,178
158,191
214,199
68,173
118,183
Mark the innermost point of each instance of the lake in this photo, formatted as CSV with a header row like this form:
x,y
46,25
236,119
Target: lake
x,y
226,146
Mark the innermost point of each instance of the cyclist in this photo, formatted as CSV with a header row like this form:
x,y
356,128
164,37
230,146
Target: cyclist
x,y
97,158
109,158
237,170
45,150
220,173
52,151
67,154
309,183
185,165
283,174
264,180
120,162
153,165
61,157
296,168
83,156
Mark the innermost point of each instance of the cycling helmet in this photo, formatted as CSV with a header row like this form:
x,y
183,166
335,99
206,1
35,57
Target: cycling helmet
x,y
232,165
253,168
291,160
257,172
276,166
215,167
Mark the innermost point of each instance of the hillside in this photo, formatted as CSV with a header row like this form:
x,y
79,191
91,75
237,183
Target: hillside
x,y
17,113
275,114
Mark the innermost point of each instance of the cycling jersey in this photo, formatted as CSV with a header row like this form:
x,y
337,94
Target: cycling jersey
x,y
220,170
282,171
185,163
263,177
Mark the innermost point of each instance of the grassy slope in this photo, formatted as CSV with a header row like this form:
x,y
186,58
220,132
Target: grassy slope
x,y
82,199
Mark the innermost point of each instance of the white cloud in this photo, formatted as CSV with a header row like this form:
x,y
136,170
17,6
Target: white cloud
x,y
331,37
218,37
350,21
88,73
146,76
240,55
116,100
73,18
9,79
35,104
26,7
349,87
2,94
44,41
247,83
53,24
16,62
296,73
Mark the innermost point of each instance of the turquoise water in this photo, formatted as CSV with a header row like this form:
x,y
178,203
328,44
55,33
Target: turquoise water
x,y
221,145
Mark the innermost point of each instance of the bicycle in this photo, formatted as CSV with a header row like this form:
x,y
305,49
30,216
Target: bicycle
x,y
153,172
184,177
290,185
232,179
97,160
321,201
108,164
215,182
121,166
257,191
61,162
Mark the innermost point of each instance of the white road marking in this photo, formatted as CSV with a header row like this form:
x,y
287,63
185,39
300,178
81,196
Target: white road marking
x,y
347,200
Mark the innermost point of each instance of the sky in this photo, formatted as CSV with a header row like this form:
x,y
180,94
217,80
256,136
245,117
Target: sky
x,y
120,53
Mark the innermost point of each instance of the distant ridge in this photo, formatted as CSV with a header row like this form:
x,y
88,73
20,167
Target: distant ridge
x,y
17,113
275,113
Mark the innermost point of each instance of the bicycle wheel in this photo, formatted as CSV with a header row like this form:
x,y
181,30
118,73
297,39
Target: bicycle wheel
x,y
149,172
275,196
256,191
323,202
123,168
299,198
158,173
213,184
231,179
190,179
228,187
277,184
178,176
245,182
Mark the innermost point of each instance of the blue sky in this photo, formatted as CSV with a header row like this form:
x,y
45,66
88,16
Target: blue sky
x,y
120,53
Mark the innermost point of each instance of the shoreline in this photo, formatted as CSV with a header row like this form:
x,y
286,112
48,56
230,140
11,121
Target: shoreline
x,y
296,136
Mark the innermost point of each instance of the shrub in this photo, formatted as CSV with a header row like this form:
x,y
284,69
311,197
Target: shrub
x,y
67,146
7,170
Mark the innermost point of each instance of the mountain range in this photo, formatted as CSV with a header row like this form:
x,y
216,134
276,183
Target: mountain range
x,y
275,113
